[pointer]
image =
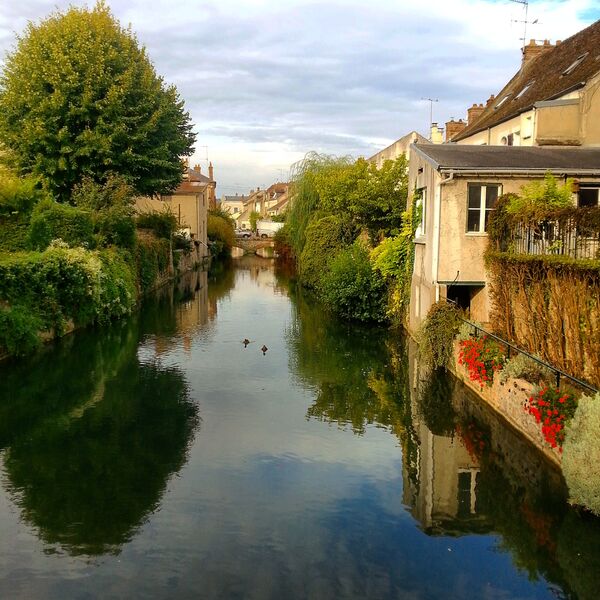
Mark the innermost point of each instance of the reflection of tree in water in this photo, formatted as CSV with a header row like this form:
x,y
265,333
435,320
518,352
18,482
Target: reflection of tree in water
x,y
92,438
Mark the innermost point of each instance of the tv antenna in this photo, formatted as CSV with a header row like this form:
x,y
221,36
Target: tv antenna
x,y
205,152
431,101
525,21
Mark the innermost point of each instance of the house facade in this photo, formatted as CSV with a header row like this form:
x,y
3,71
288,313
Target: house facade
x,y
552,100
459,186
400,147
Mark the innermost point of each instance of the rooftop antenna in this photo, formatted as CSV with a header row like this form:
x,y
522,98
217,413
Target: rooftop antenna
x,y
525,21
431,101
205,152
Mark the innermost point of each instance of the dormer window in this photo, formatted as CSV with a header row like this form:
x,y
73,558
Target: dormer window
x,y
502,102
524,90
577,62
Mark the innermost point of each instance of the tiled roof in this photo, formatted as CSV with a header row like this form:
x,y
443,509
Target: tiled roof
x,y
548,77
511,159
196,176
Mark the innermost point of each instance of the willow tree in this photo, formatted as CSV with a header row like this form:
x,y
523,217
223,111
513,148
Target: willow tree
x,y
79,98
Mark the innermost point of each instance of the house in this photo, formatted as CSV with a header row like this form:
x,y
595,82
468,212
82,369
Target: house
x,y
195,175
398,148
552,100
189,203
459,185
234,205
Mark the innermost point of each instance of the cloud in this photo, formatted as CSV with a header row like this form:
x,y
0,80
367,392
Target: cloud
x,y
289,76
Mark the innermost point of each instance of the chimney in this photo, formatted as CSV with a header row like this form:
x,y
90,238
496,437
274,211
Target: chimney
x,y
531,50
198,168
474,113
490,100
437,134
210,171
454,128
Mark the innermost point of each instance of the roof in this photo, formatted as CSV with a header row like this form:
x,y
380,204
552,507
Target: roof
x,y
193,175
510,159
406,140
235,198
545,74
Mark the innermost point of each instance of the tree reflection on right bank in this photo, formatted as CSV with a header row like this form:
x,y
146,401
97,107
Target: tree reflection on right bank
x,y
465,471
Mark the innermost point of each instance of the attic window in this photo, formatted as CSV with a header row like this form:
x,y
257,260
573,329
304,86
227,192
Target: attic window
x,y
502,102
577,62
522,92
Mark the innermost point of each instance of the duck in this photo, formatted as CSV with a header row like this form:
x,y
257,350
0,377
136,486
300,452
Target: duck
x,y
245,341
264,349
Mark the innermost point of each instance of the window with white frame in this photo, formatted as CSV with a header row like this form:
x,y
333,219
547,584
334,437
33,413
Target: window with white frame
x,y
422,206
481,200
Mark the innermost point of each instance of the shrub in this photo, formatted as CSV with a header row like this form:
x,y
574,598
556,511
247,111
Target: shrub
x,y
436,335
152,259
324,237
14,230
537,198
51,221
94,196
19,195
581,457
351,288
552,408
115,226
523,367
163,223
19,330
220,231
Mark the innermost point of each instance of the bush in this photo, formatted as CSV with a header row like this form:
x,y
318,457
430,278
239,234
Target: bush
x,y
19,330
538,197
523,367
436,335
581,454
115,226
14,230
324,237
351,288
220,232
94,196
163,223
152,259
51,221
482,357
18,195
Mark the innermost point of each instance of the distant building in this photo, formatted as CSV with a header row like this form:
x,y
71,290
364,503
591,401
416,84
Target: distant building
x,y
398,148
552,100
234,205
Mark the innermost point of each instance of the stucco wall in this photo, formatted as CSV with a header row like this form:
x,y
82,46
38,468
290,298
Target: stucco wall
x,y
558,125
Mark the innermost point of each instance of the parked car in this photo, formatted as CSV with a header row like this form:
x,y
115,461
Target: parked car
x,y
243,233
266,229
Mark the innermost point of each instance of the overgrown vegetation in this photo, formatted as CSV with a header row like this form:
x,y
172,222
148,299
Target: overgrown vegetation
x,y
581,454
220,232
437,333
336,202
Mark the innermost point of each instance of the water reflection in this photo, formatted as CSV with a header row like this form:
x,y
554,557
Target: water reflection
x,y
92,435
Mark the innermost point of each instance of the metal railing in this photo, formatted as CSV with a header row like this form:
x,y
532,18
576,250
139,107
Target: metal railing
x,y
558,374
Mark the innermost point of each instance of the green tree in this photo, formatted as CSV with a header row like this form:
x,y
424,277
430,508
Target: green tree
x,y
254,216
80,98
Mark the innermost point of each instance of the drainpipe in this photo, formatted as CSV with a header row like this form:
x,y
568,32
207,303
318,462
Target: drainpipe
x,y
437,218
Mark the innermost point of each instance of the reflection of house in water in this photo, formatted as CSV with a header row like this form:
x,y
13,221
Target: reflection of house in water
x,y
445,499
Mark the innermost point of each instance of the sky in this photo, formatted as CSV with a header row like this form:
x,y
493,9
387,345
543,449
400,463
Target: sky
x,y
266,81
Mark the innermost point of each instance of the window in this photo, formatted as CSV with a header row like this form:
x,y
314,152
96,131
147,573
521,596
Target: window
x,y
577,62
502,102
588,195
524,90
481,200
422,204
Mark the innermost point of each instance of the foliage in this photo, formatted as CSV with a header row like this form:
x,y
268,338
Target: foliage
x,y
254,217
538,197
162,223
466,331
220,232
18,330
18,196
219,212
581,458
552,409
482,357
550,307
97,197
51,220
14,230
521,366
351,288
153,259
283,244
115,226
48,289
279,218
324,237
79,97
436,336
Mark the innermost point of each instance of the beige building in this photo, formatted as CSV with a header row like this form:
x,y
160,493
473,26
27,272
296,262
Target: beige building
x,y
234,205
398,148
189,203
459,186
553,100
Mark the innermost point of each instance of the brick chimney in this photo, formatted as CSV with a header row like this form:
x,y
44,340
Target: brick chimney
x,y
531,50
474,113
454,128
198,169
210,171
490,100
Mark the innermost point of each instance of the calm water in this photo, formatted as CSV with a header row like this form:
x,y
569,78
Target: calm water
x,y
160,458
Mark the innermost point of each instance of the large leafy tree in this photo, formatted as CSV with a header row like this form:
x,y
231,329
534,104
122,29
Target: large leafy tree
x,y
80,98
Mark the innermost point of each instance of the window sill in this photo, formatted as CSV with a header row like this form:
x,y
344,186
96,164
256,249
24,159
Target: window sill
x,y
420,240
476,234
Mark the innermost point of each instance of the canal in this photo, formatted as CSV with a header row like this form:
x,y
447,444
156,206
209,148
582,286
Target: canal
x,y
163,458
